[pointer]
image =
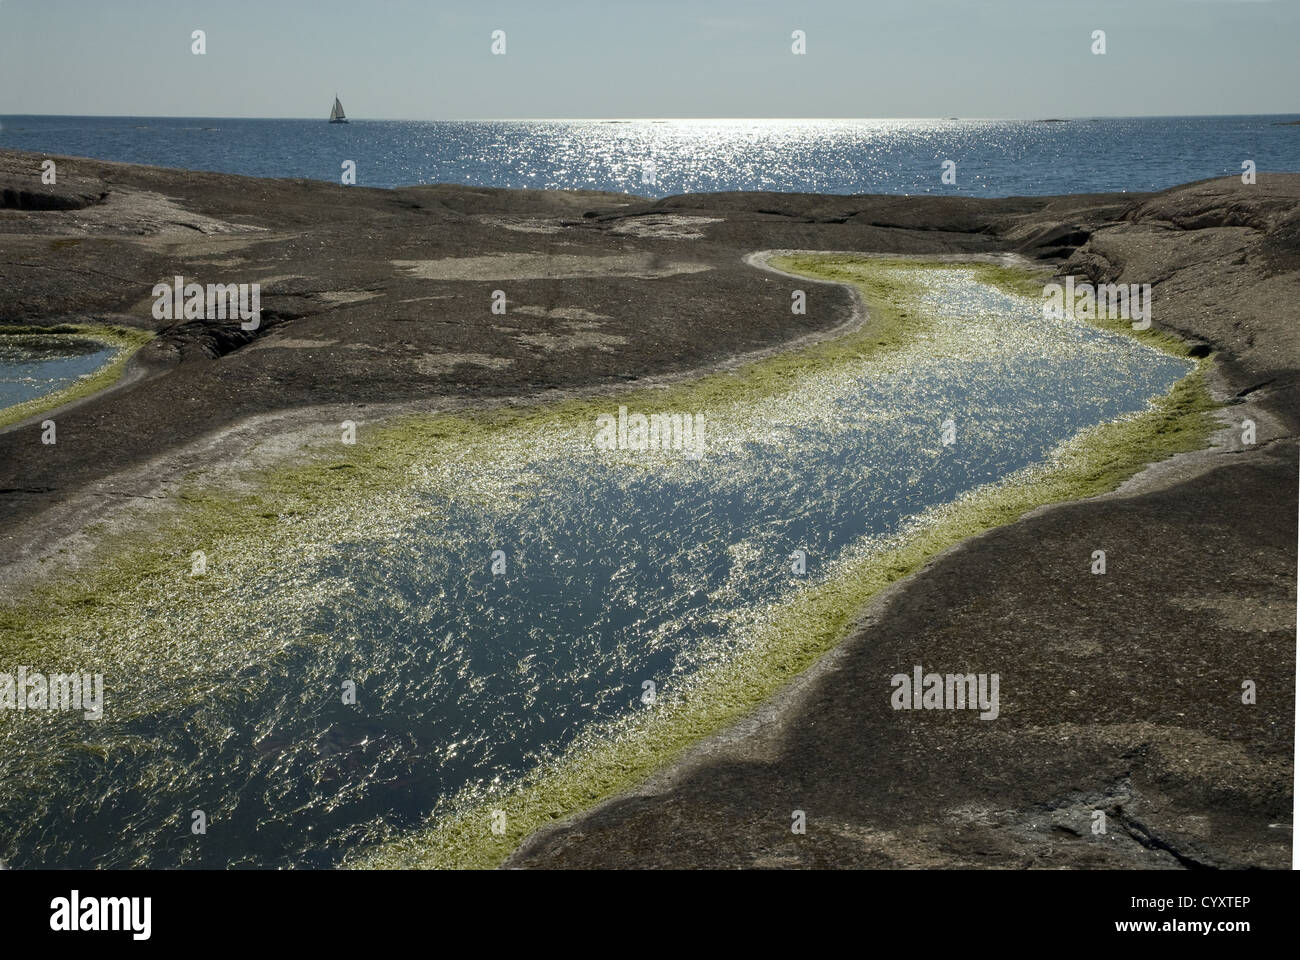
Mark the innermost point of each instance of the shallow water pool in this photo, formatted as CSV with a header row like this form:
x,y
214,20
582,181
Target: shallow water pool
x,y
33,366
617,569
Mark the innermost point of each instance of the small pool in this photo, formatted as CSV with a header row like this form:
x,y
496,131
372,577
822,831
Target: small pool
x,y
34,366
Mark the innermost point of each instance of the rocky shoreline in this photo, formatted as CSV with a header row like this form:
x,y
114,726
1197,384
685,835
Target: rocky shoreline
x,y
377,301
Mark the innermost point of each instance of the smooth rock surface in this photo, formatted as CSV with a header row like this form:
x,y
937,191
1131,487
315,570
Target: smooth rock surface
x,y
1120,693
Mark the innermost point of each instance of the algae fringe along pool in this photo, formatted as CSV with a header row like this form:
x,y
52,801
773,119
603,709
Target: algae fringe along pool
x,y
24,350
497,589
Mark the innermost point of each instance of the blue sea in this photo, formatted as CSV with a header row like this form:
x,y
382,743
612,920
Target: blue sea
x,y
994,158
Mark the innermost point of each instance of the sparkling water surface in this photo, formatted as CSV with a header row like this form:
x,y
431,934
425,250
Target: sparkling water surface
x,y
995,158
620,568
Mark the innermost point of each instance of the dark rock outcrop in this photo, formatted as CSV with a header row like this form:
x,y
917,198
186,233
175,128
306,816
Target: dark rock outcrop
x,y
1122,691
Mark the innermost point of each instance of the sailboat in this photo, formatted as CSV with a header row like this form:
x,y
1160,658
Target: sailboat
x,y
336,115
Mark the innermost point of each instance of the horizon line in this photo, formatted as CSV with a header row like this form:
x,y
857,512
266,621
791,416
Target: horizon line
x,y
657,119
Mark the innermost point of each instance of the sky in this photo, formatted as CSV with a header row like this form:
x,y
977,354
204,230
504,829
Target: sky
x,y
432,59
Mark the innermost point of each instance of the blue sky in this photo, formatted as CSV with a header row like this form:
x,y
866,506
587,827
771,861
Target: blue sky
x,y
425,59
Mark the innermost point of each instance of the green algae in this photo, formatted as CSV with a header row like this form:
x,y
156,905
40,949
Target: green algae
x,y
125,339
795,633
815,621
105,611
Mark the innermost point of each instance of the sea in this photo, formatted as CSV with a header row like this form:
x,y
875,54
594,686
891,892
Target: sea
x,y
657,158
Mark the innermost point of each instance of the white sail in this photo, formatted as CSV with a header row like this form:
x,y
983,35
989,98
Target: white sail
x,y
337,112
